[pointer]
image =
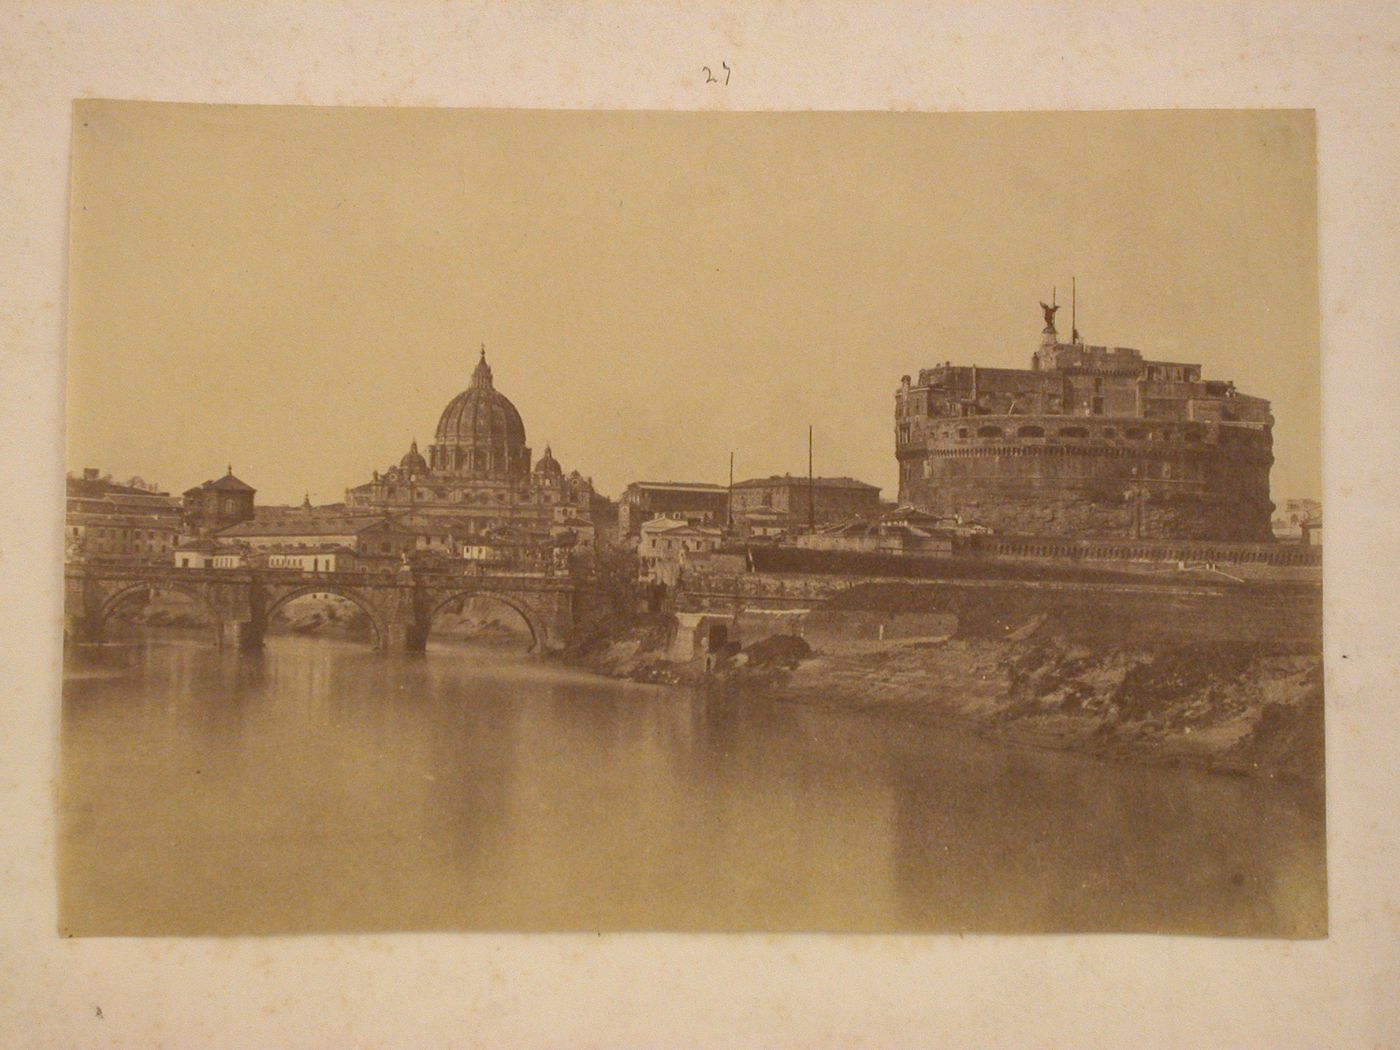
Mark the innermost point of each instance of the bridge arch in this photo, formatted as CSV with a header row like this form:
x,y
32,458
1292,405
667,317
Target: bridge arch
x,y
537,636
375,617
122,594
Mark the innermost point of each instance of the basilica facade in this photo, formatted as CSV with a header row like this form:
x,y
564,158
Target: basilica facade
x,y
478,474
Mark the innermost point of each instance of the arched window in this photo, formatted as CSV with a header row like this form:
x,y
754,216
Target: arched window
x,y
1031,432
989,432
1073,432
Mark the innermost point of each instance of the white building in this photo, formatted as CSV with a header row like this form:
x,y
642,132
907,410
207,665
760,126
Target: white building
x,y
206,554
663,544
325,558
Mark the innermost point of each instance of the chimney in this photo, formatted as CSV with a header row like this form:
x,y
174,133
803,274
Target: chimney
x,y
91,474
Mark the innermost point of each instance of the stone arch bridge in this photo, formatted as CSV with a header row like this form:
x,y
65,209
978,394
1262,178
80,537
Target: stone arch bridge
x,y
400,605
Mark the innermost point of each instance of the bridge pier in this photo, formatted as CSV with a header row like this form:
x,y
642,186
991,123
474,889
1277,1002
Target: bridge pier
x,y
404,638
241,634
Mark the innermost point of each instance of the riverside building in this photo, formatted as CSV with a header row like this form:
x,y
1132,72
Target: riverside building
x,y
1089,441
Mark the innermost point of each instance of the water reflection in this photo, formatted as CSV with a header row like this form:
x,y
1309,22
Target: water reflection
x,y
323,786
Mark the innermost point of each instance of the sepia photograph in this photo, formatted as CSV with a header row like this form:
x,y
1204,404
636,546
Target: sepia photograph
x,y
527,520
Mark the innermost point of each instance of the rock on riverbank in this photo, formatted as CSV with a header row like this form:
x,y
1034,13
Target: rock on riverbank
x,y
1230,683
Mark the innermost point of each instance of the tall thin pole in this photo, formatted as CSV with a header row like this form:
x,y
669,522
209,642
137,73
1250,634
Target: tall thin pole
x,y
729,503
811,501
1073,306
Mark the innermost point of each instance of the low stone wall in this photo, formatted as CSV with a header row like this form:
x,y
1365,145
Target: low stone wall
x,y
831,626
1156,552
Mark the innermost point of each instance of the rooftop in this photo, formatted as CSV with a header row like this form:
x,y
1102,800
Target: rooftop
x,y
798,479
97,487
337,526
669,525
692,486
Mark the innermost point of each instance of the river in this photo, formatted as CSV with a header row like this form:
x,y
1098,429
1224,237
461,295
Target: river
x,y
321,786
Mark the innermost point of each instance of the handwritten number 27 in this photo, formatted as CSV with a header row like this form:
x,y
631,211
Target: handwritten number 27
x,y
710,78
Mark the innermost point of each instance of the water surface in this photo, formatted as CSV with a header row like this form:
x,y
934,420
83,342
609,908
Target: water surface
x,y
322,786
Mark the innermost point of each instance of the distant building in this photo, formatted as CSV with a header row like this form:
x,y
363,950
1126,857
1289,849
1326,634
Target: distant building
x,y
763,524
325,557
477,474
106,519
691,501
507,547
663,544
579,534
209,554
217,504
440,539
1297,519
910,533
790,503
376,542
304,509
1090,441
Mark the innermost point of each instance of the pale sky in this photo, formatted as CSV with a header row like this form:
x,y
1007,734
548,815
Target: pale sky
x,y
300,291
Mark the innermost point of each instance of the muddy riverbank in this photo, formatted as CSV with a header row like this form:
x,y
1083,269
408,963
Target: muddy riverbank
x,y
1230,684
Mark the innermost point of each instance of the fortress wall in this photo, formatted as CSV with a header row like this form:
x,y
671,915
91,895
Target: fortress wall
x,y
1068,476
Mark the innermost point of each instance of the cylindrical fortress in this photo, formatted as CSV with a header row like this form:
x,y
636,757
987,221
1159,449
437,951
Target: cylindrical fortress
x,y
1091,441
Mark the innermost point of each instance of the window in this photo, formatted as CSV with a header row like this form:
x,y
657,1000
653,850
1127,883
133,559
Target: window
x,y
989,432
1073,432
1031,432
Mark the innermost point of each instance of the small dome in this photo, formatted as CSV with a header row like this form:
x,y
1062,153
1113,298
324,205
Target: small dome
x,y
548,464
413,461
